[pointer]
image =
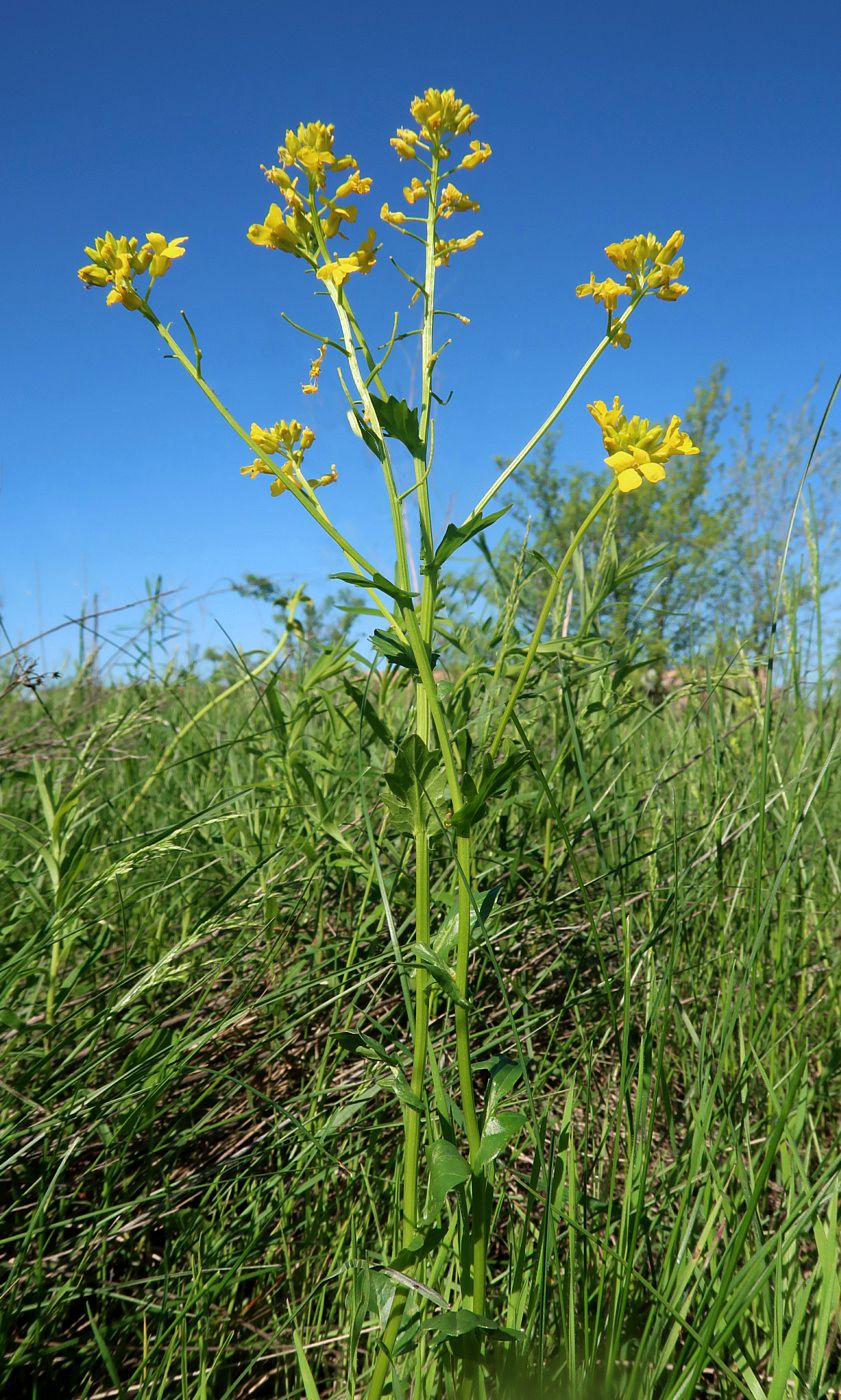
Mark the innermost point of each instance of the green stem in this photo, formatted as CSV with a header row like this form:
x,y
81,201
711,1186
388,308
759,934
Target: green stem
x,y
353,342
423,729
55,964
556,411
551,595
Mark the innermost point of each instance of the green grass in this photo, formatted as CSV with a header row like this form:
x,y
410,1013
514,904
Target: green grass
x,y
200,1172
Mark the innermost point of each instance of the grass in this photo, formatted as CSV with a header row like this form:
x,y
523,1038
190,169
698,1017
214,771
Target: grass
x,y
206,1030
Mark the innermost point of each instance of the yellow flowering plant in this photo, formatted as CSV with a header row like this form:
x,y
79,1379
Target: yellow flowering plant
x,y
434,791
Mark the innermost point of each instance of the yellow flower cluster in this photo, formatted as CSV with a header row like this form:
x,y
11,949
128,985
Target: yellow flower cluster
x,y
291,440
649,267
311,218
637,448
115,262
439,115
650,264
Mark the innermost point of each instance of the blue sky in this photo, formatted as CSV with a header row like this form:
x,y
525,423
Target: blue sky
x,y
604,121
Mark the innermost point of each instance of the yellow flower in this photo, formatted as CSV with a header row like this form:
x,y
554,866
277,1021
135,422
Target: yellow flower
x,y
636,447
607,292
365,255
337,271
404,143
672,291
362,260
164,253
354,184
276,232
287,186
454,202
445,247
123,294
479,152
94,276
336,216
440,113
417,190
394,217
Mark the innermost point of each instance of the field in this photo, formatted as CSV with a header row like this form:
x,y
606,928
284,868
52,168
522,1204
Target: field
x,y
207,1026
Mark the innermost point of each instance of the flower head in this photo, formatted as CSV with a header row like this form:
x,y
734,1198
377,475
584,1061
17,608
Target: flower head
x,y
290,441
637,448
650,267
115,262
649,264
440,114
310,149
311,216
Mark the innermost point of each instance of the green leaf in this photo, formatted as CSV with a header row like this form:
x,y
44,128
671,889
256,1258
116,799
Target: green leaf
x,y
403,1089
481,907
365,434
505,1074
440,974
397,653
497,1132
493,780
399,421
310,1387
419,1247
383,1290
358,1043
412,1283
382,585
456,535
447,1171
417,786
461,1322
